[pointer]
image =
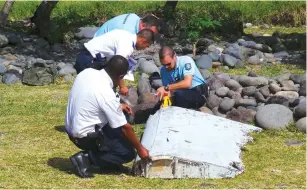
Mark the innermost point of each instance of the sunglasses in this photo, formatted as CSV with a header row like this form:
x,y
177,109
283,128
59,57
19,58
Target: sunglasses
x,y
167,65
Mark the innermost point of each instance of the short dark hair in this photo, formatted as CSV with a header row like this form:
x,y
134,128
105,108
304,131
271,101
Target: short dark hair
x,y
166,51
148,35
117,65
151,20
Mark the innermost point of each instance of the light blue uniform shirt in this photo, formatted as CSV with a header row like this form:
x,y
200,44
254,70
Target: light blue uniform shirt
x,y
129,22
185,65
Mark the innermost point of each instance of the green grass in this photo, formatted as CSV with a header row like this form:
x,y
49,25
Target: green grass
x,y
273,29
35,150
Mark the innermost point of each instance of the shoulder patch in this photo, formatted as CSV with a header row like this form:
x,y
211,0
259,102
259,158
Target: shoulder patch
x,y
187,66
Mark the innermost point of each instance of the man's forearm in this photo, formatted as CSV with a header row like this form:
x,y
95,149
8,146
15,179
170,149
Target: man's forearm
x,y
180,85
121,84
129,134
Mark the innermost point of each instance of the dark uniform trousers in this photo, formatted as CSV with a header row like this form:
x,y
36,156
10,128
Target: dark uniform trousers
x,y
191,98
106,146
86,60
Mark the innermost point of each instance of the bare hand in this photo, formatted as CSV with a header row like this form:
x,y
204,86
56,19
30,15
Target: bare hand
x,y
161,92
124,91
126,108
143,153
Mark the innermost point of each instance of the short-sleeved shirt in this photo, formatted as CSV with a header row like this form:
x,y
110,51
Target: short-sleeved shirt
x,y
116,42
185,65
129,22
92,101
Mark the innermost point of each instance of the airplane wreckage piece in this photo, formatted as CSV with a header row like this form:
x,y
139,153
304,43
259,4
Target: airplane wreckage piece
x,y
185,143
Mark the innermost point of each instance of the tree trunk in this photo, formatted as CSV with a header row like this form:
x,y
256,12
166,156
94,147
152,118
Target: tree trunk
x,y
42,15
6,9
169,9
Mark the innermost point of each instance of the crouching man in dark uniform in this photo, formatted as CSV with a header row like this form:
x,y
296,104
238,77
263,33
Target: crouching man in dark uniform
x,y
95,121
181,80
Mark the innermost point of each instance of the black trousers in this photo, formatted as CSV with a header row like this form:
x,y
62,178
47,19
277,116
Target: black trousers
x,y
106,146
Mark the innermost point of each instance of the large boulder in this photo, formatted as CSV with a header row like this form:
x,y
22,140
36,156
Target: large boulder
x,y
253,81
274,116
204,62
300,110
301,125
243,115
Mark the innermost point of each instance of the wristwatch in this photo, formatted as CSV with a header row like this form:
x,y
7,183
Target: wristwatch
x,y
166,88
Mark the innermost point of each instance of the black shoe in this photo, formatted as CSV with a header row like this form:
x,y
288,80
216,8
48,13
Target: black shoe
x,y
81,163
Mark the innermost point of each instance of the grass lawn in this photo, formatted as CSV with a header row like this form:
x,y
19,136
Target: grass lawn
x,y
35,151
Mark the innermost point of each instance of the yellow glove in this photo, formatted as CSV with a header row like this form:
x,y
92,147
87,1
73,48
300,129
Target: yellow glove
x,y
166,102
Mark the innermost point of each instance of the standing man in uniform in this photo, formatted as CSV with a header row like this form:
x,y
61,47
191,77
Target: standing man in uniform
x,y
129,22
93,113
182,80
116,42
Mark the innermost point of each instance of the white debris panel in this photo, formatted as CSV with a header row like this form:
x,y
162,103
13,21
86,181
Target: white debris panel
x,y
185,143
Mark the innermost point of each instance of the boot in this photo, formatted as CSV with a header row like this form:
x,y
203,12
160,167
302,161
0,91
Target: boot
x,y
81,163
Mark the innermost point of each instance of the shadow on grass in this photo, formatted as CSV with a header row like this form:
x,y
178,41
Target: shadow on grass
x,y
60,128
62,164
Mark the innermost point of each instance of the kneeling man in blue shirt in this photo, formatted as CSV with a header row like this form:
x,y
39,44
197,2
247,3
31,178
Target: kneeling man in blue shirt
x,y
181,80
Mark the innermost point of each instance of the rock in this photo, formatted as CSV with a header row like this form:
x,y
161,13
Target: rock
x,y
256,34
3,41
148,66
67,69
212,48
60,65
300,110
226,105
251,108
225,67
279,47
278,100
249,91
18,64
143,85
233,85
216,64
206,110
281,54
157,59
274,116
252,74
246,102
215,83
213,101
265,26
287,94
297,79
132,98
249,44
248,52
294,101
148,98
9,57
239,63
214,56
12,67
254,60
248,25
156,84
68,78
41,43
223,76
235,52
3,69
11,77
231,93
204,62
86,32
141,113
217,113
282,77
253,81
241,115
259,97
263,48
294,142
301,125
274,88
265,91
222,92
205,73
287,85
302,90
229,60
